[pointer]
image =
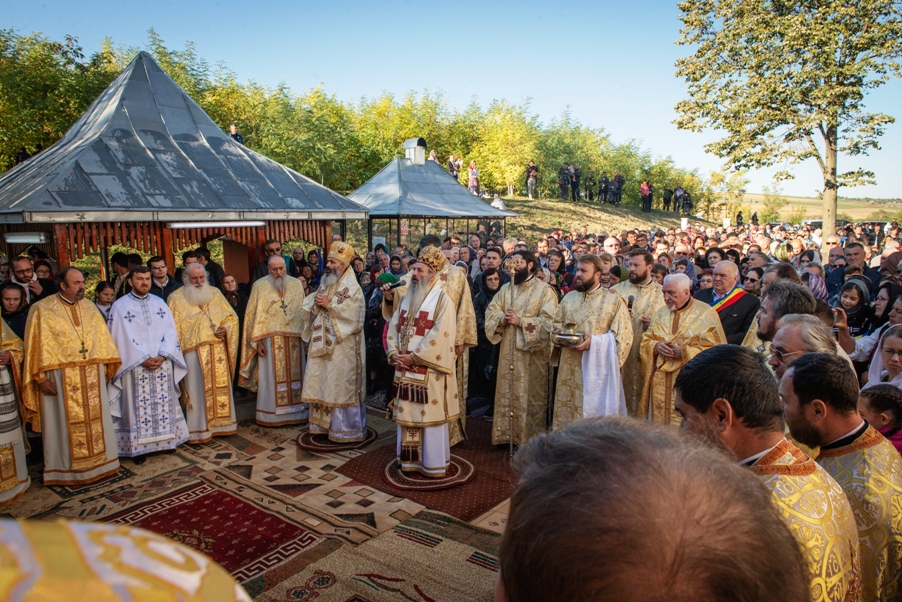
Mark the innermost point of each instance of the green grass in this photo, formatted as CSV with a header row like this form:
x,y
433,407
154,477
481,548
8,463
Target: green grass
x,y
858,210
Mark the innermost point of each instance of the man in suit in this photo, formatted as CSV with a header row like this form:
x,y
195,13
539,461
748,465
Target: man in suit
x,y
735,307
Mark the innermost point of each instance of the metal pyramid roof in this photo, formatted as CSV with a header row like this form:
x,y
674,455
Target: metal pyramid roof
x,y
404,188
146,151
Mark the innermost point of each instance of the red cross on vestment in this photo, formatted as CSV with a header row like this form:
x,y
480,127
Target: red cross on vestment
x,y
402,319
530,328
343,295
423,323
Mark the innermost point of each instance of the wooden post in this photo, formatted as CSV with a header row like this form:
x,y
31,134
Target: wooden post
x,y
167,250
369,235
61,239
327,229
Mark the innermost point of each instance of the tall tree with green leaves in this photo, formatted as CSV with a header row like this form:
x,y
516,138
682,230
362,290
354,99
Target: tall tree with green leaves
x,y
786,81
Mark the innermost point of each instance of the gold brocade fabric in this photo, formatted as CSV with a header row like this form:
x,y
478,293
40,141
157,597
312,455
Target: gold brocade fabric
x,y
751,340
869,470
269,316
816,510
335,377
522,388
596,312
196,325
49,561
695,327
647,301
71,337
217,376
434,356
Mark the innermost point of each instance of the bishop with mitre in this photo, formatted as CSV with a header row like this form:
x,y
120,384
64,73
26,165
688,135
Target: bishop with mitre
x,y
208,334
424,396
144,393
335,379
70,356
588,381
272,356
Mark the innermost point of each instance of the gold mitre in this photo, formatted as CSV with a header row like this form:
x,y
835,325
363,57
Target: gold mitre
x,y
433,257
342,251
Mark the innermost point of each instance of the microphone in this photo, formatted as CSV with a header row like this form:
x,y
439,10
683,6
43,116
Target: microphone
x,y
396,285
629,302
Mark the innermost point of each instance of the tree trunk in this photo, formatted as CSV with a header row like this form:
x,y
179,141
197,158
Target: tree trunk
x,y
510,190
828,228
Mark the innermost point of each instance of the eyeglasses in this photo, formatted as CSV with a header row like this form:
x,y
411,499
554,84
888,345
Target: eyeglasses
x,y
890,353
706,281
782,355
271,250
752,280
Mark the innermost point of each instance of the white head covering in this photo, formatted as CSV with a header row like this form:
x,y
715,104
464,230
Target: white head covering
x,y
877,371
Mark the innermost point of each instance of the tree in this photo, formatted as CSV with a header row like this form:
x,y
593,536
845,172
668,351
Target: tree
x,y
773,203
786,81
507,141
729,193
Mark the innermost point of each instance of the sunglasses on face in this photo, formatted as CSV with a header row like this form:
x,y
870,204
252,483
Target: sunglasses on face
x,y
782,355
272,250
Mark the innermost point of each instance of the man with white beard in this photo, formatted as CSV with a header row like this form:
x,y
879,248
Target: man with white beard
x,y
208,333
272,356
335,379
424,396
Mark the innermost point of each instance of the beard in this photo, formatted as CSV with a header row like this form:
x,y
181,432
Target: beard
x,y
417,293
521,275
329,279
198,295
584,286
637,278
278,283
804,432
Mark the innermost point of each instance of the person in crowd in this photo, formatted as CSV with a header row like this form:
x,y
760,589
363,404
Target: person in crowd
x,y
272,354
162,284
799,334
374,330
234,135
235,296
214,270
588,381
144,393
881,406
678,332
783,297
68,344
394,267
334,382
727,396
273,247
22,273
473,178
532,175
453,167
43,270
15,311
209,336
618,478
706,279
422,353
752,284
820,403
817,285
15,478
644,298
645,195
886,364
485,353
658,272
736,308
855,255
188,257
519,319
713,257
853,299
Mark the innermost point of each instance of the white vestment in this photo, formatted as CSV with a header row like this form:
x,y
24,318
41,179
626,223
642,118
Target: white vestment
x,y
144,403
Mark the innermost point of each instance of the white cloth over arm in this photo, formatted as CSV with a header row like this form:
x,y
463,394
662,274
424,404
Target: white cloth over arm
x,y
602,386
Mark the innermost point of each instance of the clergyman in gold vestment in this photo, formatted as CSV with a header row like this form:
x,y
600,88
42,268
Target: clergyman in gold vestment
x,y
678,332
208,335
14,479
519,318
646,298
272,353
70,357
591,310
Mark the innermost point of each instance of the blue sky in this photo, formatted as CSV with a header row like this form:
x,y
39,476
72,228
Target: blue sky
x,y
611,63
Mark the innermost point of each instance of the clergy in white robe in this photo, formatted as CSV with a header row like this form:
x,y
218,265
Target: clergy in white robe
x,y
335,379
14,479
69,357
424,396
144,392
272,356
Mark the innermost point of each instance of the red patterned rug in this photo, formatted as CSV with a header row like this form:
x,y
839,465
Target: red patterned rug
x,y
490,486
238,535
322,443
460,472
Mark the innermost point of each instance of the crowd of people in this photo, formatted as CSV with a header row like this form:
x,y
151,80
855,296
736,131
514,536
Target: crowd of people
x,y
788,360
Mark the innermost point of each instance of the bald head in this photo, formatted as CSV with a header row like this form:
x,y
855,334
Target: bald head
x,y
726,276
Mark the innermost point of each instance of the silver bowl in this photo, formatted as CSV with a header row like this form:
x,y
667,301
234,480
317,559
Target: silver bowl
x,y
567,338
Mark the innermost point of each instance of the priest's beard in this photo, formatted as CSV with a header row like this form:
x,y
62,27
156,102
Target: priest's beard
x,y
584,286
637,278
804,432
198,295
521,275
278,283
417,294
329,279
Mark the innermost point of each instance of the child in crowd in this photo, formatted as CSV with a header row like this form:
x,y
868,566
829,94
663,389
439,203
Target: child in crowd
x,y
881,406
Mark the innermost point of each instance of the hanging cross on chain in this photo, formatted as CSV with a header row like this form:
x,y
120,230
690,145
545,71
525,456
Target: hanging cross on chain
x,y
283,306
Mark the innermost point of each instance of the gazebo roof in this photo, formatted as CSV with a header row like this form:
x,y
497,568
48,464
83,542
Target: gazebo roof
x,y
405,188
145,151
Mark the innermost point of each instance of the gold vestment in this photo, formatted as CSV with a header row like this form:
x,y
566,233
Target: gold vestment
x,y
647,300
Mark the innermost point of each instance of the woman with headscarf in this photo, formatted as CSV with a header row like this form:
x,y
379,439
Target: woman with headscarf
x,y
484,357
684,266
887,295
854,298
395,267
889,266
374,325
886,365
816,285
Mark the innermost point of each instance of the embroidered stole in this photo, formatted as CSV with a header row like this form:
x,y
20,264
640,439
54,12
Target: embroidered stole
x,y
412,384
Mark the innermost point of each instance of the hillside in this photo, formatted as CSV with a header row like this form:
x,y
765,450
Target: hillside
x,y
541,217
856,209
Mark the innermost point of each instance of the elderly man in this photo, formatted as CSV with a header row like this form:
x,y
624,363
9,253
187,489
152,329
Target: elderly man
x,y
643,297
589,382
612,246
799,334
735,307
69,358
649,515
678,332
272,355
335,380
208,333
424,396
783,298
728,396
519,317
144,393
453,281
820,402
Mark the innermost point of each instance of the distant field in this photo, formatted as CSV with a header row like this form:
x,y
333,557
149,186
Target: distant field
x,y
858,210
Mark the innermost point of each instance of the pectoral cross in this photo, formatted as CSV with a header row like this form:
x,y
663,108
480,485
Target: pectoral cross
x,y
83,351
283,306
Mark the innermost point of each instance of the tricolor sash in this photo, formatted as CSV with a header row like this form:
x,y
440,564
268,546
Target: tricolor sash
x,y
411,384
734,295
